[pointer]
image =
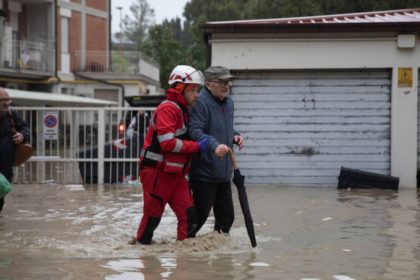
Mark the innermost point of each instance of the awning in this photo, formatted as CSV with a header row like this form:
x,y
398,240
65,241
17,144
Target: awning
x,y
35,98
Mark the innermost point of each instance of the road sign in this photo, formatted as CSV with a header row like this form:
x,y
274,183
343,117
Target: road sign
x,y
50,125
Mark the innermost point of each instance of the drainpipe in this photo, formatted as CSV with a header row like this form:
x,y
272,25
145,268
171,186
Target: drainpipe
x,y
109,31
206,38
55,10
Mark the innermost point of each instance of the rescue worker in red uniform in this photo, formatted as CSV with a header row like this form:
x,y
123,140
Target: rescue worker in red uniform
x,y
166,155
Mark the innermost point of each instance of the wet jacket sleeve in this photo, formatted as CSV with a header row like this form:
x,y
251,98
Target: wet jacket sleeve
x,y
21,126
196,125
167,122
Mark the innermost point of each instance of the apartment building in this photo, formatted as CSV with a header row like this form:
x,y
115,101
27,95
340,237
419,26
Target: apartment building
x,y
63,47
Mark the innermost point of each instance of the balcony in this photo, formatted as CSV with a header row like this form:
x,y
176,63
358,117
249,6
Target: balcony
x,y
116,64
27,58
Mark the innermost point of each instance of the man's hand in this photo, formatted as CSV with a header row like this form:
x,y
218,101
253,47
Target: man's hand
x,y
221,151
239,141
17,138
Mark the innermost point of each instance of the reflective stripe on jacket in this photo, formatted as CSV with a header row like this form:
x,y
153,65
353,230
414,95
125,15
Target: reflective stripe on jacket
x,y
165,144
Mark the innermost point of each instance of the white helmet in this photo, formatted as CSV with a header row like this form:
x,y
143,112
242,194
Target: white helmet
x,y
187,75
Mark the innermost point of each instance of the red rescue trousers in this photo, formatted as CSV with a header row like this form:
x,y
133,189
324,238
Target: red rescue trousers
x,y
160,188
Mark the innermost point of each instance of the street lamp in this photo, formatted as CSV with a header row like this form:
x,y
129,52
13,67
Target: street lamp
x,y
121,31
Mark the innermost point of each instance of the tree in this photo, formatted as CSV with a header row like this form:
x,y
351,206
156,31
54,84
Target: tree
x,y
198,12
163,46
284,8
136,27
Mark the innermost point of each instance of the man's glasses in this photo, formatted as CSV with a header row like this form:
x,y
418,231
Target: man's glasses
x,y
222,83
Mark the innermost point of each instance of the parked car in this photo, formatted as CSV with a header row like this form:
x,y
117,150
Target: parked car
x,y
131,133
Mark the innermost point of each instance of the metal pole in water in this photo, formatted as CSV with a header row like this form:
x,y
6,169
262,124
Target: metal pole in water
x,y
101,145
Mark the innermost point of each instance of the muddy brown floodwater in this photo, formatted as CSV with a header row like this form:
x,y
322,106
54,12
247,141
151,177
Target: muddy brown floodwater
x,y
83,232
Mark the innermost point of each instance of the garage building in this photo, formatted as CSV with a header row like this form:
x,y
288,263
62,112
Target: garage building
x,y
314,94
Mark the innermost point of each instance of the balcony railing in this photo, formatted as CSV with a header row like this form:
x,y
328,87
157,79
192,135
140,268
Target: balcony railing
x,y
20,55
124,62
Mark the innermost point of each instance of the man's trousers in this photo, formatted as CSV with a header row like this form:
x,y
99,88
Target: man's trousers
x,y
216,195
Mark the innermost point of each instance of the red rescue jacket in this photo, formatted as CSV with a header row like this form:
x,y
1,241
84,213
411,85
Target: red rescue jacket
x,y
165,145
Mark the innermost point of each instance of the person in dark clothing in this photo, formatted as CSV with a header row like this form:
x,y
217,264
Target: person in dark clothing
x,y
8,140
136,124
210,173
136,121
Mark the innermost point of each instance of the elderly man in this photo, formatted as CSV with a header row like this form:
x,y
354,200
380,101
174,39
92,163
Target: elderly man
x,y
210,173
8,139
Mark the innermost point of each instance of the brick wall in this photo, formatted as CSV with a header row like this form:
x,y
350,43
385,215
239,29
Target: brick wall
x,y
96,33
96,40
23,23
58,37
98,4
75,40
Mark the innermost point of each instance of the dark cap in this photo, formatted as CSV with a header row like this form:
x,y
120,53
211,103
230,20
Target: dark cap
x,y
217,73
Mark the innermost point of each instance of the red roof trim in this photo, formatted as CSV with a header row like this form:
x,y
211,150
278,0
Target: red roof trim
x,y
402,21
406,15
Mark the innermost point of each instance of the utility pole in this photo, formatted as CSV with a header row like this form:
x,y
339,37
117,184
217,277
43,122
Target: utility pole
x,y
121,34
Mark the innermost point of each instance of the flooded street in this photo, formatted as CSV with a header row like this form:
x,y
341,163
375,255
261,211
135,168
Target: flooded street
x,y
83,232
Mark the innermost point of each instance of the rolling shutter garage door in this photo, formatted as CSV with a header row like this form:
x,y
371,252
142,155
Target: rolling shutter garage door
x,y
301,127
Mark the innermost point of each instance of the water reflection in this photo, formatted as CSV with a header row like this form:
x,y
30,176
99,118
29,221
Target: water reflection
x,y
177,267
403,232
362,196
394,216
250,270
302,233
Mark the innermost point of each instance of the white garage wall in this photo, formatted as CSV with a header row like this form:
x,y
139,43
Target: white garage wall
x,y
341,53
404,130
313,53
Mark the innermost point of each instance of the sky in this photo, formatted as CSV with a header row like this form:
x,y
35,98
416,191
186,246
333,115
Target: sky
x,y
163,9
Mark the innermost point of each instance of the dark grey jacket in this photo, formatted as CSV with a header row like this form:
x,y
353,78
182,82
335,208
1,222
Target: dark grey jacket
x,y
7,147
211,118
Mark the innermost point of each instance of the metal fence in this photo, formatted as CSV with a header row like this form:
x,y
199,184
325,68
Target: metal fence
x,y
83,145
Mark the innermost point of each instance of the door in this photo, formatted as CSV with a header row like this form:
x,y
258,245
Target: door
x,y
302,127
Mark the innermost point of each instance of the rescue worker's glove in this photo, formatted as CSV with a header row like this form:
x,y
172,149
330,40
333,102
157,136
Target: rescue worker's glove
x,y
204,144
